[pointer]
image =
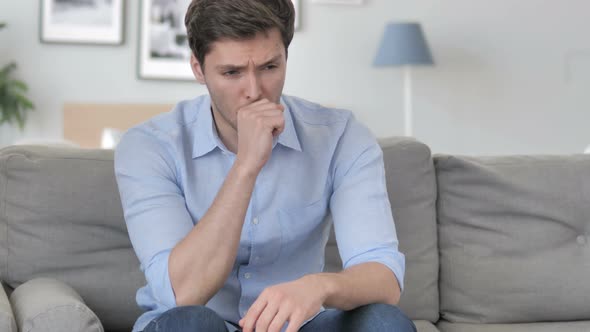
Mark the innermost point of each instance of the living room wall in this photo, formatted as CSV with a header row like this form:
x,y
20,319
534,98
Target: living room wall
x,y
510,76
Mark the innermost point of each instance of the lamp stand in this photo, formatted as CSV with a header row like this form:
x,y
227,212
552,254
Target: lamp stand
x,y
407,101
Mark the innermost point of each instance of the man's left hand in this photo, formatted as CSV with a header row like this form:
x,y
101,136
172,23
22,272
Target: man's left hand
x,y
293,302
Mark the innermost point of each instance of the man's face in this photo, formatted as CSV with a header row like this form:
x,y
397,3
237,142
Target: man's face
x,y
240,72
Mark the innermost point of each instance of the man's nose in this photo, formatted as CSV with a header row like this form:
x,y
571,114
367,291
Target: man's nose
x,y
253,90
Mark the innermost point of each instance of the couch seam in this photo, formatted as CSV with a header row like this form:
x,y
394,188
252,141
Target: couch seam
x,y
74,306
36,156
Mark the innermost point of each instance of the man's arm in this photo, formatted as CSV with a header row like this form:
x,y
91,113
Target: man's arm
x,y
184,263
199,265
366,239
359,285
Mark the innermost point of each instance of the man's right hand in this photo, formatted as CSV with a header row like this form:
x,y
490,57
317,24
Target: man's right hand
x,y
258,124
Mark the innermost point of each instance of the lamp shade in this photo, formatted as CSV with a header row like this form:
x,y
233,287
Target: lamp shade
x,y
403,44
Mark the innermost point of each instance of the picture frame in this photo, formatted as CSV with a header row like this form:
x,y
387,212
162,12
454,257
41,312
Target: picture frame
x,y
99,22
163,51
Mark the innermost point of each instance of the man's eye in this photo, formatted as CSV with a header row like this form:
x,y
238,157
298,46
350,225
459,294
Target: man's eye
x,y
231,73
271,67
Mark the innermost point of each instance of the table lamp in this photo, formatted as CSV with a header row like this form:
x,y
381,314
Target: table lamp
x,y
404,45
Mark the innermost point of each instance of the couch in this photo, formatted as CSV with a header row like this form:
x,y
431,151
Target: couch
x,y
492,244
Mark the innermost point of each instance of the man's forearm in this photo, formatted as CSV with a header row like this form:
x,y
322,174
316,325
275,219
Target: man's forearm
x,y
359,285
200,263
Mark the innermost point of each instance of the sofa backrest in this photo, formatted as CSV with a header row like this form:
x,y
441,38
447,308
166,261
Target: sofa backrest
x,y
61,217
514,238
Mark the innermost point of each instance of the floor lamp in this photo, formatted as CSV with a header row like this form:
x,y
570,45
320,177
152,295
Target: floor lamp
x,y
404,45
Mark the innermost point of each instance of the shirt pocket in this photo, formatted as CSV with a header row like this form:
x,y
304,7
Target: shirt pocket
x,y
303,229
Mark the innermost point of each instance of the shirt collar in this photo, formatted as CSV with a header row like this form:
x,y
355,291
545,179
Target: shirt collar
x,y
205,135
288,137
206,138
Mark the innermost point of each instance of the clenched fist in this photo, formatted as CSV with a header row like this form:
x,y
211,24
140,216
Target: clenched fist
x,y
258,123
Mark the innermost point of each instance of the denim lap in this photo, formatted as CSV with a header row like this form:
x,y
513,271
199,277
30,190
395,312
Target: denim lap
x,y
187,319
372,317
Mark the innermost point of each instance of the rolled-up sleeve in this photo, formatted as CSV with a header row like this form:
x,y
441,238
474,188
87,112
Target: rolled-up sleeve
x,y
363,222
153,205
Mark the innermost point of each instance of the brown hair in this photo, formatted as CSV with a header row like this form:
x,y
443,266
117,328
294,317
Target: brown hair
x,y
208,21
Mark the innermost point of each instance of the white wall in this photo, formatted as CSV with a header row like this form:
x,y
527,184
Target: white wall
x,y
511,76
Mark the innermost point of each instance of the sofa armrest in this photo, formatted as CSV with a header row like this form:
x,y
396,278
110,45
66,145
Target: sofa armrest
x,y
7,321
49,305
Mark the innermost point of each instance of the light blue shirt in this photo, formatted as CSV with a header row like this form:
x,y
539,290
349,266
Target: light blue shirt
x,y
170,168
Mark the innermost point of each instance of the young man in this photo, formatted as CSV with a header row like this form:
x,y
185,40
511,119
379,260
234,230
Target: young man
x,y
225,197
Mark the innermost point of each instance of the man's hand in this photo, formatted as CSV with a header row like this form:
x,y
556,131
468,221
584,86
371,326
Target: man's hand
x,y
293,302
258,124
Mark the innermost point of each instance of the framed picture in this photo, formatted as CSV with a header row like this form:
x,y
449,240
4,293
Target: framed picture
x,y
82,21
163,44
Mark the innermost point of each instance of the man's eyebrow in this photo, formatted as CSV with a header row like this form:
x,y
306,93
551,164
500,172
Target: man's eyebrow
x,y
229,67
241,67
274,59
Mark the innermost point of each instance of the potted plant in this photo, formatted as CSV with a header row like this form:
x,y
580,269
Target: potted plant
x,y
14,104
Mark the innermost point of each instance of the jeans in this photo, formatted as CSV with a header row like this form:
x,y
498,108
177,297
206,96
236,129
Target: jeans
x,y
372,318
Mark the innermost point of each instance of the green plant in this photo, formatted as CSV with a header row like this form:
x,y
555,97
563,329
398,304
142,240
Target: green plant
x,y
14,103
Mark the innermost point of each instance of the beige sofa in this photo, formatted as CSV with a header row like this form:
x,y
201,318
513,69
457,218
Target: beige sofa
x,y
493,244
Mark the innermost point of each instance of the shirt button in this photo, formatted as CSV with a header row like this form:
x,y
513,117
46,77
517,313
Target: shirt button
x,y
255,221
581,239
247,275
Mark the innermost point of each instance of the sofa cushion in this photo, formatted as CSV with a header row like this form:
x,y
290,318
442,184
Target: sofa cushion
x,y
7,321
530,327
48,305
61,217
514,238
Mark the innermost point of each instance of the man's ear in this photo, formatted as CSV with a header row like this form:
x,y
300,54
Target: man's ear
x,y
197,70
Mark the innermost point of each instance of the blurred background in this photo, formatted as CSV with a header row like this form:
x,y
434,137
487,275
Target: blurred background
x,y
509,77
